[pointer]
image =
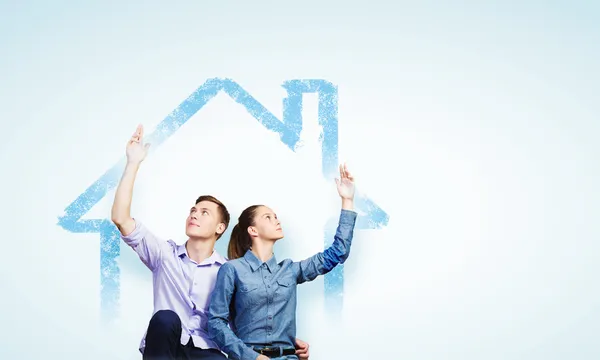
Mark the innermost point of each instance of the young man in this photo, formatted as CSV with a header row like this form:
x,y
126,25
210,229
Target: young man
x,y
183,275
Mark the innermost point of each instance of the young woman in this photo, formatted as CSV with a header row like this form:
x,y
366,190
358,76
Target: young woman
x,y
252,312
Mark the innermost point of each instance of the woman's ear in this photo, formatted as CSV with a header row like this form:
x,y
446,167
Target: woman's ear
x,y
252,231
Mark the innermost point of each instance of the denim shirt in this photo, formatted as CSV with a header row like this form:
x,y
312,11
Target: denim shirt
x,y
260,298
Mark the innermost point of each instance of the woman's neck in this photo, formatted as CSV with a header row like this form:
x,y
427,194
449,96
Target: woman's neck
x,y
263,249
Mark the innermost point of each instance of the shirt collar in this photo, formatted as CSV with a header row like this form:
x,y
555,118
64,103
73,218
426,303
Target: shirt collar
x,y
215,257
255,262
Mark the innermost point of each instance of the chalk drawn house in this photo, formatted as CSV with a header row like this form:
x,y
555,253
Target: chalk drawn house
x,y
289,128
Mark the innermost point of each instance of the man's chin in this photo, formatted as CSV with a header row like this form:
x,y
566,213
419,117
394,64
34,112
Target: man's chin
x,y
195,235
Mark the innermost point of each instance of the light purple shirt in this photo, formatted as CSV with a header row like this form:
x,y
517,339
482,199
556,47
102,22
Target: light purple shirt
x,y
180,284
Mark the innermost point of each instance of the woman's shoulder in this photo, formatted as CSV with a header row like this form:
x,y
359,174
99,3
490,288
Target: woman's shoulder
x,y
234,263
233,266
287,264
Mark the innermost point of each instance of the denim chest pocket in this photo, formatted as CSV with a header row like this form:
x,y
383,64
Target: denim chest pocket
x,y
248,295
285,288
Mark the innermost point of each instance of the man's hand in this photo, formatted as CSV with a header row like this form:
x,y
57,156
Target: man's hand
x,y
302,349
136,150
262,357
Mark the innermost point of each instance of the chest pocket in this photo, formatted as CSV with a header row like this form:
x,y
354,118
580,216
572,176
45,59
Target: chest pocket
x,y
286,288
248,295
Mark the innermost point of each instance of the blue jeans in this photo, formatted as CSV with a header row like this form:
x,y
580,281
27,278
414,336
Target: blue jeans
x,y
163,341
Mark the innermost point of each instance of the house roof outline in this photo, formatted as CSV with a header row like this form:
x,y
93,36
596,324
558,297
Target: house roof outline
x,y
371,216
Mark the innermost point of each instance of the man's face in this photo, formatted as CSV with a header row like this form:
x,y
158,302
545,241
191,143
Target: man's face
x,y
204,221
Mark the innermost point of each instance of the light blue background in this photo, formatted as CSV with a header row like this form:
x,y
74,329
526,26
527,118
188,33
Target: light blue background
x,y
473,125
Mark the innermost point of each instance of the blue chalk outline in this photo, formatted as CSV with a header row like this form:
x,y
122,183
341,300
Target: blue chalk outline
x,y
371,216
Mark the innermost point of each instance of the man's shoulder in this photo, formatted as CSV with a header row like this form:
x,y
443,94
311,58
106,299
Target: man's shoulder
x,y
169,246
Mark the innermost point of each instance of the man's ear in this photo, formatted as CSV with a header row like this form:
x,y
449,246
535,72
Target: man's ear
x,y
221,228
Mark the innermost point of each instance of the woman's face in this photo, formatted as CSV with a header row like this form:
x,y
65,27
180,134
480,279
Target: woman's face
x,y
266,225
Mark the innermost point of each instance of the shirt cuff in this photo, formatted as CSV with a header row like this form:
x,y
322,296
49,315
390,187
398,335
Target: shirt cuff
x,y
249,353
348,217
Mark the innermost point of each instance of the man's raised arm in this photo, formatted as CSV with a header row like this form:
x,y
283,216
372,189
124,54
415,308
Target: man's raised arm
x,y
136,153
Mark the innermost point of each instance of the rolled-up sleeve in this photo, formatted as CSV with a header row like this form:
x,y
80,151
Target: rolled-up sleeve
x,y
148,247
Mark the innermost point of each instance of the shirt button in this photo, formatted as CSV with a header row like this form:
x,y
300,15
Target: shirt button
x,y
270,317
269,286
